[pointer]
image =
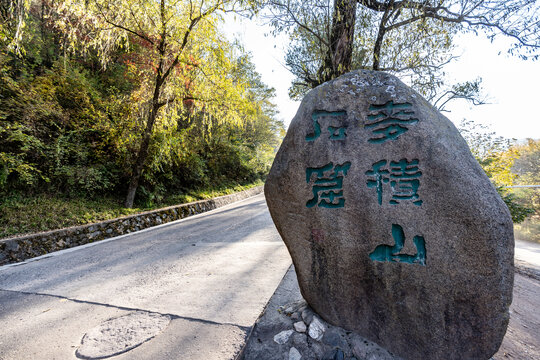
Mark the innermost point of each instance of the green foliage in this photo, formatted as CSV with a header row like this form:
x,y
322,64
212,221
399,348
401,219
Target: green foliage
x,y
518,211
496,155
20,213
527,167
528,230
72,128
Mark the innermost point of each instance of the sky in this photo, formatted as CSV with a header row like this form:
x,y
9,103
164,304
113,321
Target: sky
x,y
510,84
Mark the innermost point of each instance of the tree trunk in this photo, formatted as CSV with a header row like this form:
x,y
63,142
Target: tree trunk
x,y
161,77
378,46
338,59
145,143
380,36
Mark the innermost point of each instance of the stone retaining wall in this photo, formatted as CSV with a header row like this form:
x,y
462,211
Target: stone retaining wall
x,y
24,247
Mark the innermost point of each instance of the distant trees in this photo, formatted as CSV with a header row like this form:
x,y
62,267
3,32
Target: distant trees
x,y
498,156
413,38
527,167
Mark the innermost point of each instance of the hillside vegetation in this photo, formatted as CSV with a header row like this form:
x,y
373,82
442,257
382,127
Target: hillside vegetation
x,y
73,122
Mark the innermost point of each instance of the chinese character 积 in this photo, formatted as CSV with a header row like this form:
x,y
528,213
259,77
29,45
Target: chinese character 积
x,y
378,173
328,186
336,132
403,177
388,253
389,120
404,181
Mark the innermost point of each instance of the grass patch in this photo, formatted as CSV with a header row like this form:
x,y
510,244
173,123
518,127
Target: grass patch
x,y
23,214
204,194
528,230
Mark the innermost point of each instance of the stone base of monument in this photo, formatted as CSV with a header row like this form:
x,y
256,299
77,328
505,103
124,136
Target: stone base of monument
x,y
288,329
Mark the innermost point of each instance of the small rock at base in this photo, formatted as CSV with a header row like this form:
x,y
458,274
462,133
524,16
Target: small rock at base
x,y
294,354
283,336
316,329
339,355
307,315
300,326
299,340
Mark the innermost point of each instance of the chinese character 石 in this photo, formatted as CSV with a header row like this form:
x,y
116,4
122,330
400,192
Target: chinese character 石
x,y
388,253
403,177
336,132
389,120
328,189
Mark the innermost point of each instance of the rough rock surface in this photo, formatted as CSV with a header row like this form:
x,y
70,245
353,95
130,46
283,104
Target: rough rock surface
x,y
335,343
394,229
283,336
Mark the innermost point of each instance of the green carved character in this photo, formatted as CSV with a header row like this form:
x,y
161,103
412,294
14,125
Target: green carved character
x,y
327,190
391,253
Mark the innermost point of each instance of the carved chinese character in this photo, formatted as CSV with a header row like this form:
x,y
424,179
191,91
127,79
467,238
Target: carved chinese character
x,y
336,132
328,185
379,177
388,253
404,181
403,176
389,120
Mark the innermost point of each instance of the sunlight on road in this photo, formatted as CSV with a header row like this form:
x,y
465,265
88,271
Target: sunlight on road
x,y
529,252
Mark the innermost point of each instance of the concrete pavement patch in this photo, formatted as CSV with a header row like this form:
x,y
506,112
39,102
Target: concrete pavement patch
x,y
121,334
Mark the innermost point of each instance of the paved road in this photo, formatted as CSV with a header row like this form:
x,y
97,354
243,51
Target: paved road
x,y
528,252
212,274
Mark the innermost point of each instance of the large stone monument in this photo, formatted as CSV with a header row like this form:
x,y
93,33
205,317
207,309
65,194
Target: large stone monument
x,y
395,231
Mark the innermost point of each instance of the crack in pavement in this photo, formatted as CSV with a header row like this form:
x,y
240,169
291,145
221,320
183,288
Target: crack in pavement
x,y
126,308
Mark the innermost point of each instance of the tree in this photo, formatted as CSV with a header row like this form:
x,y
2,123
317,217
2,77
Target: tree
x,y
12,15
527,168
179,42
413,38
496,155
470,91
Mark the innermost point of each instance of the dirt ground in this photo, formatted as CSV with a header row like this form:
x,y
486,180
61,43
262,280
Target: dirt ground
x,y
522,340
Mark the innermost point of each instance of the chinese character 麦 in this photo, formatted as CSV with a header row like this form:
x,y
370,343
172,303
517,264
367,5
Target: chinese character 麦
x,y
328,186
389,120
336,132
403,177
388,253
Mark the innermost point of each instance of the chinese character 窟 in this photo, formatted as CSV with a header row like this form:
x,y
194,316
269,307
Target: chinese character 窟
x,y
328,189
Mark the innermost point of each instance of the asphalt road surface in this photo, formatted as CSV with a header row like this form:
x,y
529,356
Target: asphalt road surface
x,y
210,274
203,280
528,252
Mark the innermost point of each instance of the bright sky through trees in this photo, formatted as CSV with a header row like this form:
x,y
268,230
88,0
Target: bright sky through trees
x,y
510,84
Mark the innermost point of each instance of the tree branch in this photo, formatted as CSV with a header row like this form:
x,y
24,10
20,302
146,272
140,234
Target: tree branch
x,y
116,25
